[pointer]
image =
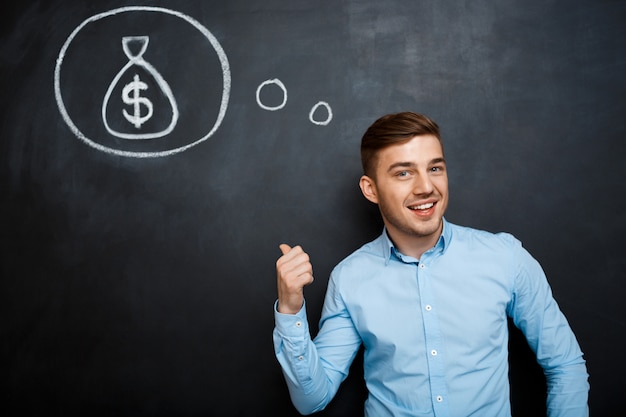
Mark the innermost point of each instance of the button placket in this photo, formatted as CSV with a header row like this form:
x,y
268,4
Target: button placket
x,y
433,340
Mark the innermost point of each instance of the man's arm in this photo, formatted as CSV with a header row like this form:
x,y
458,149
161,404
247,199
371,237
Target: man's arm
x,y
549,335
313,370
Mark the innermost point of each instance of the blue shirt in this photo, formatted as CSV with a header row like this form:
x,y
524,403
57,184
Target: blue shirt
x,y
434,330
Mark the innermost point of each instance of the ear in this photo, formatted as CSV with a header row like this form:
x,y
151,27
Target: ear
x,y
368,188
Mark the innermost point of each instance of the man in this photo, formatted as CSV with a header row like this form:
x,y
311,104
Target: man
x,y
428,299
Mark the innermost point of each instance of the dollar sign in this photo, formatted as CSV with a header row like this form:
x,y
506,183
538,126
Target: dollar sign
x,y
136,101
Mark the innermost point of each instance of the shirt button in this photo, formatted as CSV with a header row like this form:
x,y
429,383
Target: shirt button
x,y
433,352
428,307
300,358
298,324
422,266
439,398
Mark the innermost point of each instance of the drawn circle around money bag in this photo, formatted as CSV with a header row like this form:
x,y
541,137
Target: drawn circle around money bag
x,y
226,78
137,119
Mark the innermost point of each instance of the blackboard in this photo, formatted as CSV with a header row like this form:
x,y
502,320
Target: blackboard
x,y
138,273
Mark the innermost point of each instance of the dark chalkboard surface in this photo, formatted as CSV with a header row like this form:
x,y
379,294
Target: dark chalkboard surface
x,y
138,271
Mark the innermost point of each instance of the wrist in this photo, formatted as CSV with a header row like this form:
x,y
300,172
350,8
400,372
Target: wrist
x,y
289,306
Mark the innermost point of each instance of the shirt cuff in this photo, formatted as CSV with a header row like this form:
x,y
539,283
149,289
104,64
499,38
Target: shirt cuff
x,y
291,325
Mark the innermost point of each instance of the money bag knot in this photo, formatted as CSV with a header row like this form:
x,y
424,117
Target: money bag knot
x,y
128,42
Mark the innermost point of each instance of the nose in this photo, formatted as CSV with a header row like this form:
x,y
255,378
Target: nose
x,y
422,185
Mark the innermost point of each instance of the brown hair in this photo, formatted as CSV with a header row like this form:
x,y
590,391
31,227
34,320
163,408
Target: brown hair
x,y
390,130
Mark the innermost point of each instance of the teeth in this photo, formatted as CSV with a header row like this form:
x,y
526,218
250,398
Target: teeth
x,y
422,206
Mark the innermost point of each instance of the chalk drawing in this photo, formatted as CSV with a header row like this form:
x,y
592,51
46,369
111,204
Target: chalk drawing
x,y
225,67
142,106
328,109
280,84
137,119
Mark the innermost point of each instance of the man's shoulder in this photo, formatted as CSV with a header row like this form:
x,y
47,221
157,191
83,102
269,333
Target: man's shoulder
x,y
372,249
467,235
369,254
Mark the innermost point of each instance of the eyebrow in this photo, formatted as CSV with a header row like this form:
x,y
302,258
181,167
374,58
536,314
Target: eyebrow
x,y
412,164
400,165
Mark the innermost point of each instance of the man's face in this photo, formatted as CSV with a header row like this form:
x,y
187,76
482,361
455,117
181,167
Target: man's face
x,y
410,187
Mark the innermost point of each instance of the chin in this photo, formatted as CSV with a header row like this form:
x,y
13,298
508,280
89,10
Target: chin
x,y
429,227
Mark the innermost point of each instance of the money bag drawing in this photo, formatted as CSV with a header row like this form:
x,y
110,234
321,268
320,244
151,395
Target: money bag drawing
x,y
132,117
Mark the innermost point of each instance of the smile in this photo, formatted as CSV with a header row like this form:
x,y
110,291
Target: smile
x,y
424,206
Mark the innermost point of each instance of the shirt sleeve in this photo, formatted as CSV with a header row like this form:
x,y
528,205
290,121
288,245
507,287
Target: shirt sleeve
x,y
536,313
314,370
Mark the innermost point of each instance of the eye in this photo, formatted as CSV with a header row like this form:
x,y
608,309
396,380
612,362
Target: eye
x,y
402,174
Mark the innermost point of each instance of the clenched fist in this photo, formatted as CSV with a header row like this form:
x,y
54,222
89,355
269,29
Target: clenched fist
x,y
294,271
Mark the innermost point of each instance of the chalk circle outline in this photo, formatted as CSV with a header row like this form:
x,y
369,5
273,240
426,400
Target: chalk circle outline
x,y
203,30
280,84
314,109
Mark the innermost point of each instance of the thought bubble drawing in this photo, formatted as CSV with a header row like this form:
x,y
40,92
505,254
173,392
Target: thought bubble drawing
x,y
132,92
328,111
139,111
279,83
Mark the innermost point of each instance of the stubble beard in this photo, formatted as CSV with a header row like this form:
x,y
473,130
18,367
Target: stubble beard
x,y
433,225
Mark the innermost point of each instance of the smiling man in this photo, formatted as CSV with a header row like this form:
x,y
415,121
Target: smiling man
x,y
429,301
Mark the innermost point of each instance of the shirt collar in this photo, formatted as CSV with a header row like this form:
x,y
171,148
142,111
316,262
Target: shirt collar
x,y
390,251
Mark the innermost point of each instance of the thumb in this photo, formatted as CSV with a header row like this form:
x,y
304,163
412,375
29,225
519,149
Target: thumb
x,y
284,248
